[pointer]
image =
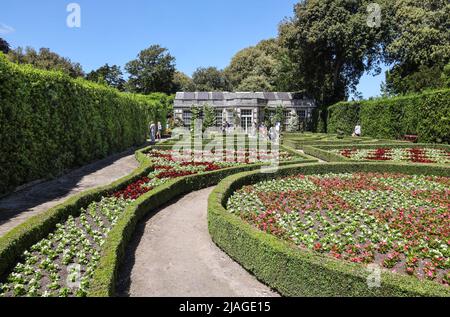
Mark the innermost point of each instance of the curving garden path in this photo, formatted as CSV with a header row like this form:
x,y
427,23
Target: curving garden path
x,y
20,206
172,254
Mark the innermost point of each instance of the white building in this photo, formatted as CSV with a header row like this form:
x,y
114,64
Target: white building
x,y
250,107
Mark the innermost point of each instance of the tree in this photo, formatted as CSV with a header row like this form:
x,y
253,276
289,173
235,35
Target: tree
x,y
398,82
418,44
255,63
328,47
46,59
4,46
183,82
445,77
255,83
109,75
210,79
152,71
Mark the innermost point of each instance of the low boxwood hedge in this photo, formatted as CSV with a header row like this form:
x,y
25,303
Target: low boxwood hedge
x,y
21,238
105,276
323,154
293,271
323,151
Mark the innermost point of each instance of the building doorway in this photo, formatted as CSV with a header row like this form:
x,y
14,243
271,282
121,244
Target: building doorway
x,y
246,120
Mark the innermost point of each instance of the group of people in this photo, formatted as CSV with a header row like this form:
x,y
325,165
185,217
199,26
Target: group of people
x,y
261,129
155,132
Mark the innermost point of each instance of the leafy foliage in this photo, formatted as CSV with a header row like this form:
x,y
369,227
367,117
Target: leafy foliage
x,y
152,71
426,115
109,75
45,59
419,45
4,46
329,47
183,82
210,79
50,122
255,68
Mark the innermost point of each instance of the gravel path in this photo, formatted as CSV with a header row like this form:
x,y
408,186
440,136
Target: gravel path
x,y
20,206
173,255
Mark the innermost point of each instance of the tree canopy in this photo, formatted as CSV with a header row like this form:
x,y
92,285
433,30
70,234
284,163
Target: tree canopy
x,y
255,68
418,45
4,46
45,59
152,71
183,82
108,75
329,46
210,79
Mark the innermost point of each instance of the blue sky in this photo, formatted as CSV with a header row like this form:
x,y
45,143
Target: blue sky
x,y
197,32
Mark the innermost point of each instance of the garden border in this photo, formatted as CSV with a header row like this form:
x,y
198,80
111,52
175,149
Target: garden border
x,y
298,272
22,237
322,151
105,276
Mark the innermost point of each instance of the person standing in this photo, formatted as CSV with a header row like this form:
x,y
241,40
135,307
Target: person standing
x,y
152,132
159,132
358,130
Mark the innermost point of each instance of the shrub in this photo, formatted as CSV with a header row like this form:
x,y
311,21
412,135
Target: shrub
x,y
294,271
50,123
426,114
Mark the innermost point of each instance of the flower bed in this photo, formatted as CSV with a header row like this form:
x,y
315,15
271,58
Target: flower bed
x,y
414,155
400,222
47,267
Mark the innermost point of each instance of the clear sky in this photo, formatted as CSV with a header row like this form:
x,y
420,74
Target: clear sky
x,y
197,32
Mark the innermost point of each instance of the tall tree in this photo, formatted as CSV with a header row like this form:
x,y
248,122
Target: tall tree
x,y
4,46
46,59
109,75
330,45
183,82
210,79
255,68
418,45
152,71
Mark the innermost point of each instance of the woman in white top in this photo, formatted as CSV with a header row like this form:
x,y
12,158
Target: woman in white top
x,y
357,130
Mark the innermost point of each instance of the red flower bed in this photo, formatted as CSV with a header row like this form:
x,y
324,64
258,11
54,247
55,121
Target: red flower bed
x,y
174,174
380,155
348,152
419,156
134,190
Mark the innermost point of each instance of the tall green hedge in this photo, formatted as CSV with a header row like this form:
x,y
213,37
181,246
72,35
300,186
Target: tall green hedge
x,y
50,123
426,115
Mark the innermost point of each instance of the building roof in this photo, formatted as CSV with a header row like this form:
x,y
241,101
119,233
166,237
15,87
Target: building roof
x,y
284,96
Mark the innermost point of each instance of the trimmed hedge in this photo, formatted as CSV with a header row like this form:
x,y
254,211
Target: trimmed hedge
x,y
426,114
323,151
293,271
323,154
385,145
50,122
105,276
22,237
